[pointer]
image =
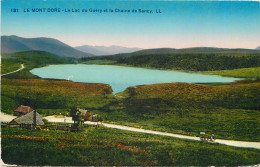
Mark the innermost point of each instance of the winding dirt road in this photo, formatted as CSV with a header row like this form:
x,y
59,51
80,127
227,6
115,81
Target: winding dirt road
x,y
121,127
8,118
22,67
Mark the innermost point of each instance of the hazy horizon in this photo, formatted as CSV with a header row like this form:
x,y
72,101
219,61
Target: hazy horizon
x,y
182,24
131,46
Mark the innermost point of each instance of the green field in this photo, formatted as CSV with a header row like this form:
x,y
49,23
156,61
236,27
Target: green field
x,y
51,97
230,111
249,73
110,147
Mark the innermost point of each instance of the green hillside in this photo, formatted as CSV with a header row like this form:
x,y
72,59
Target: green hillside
x,y
8,65
31,59
36,58
230,111
51,97
195,59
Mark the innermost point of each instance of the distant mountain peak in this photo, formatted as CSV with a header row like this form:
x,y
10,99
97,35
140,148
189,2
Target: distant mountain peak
x,y
13,43
106,50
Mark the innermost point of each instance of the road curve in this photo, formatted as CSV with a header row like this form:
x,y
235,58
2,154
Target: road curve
x,y
22,67
121,127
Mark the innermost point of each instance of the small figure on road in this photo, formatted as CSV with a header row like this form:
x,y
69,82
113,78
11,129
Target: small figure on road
x,y
212,137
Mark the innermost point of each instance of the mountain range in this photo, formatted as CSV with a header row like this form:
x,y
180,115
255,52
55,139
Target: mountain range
x,y
12,44
106,50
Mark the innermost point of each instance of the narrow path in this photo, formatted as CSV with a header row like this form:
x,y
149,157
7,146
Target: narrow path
x,y
121,127
22,67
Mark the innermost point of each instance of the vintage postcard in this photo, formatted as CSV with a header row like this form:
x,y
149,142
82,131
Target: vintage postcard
x,y
130,83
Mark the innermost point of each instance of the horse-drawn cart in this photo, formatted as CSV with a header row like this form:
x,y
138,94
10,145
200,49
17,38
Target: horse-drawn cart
x,y
206,137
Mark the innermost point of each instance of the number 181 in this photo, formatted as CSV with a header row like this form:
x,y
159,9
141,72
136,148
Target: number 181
x,y
14,10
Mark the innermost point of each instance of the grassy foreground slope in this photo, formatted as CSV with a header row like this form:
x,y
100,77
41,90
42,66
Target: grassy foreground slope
x,y
111,147
229,111
52,96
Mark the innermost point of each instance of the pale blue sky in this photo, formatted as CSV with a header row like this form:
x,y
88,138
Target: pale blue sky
x,y
181,24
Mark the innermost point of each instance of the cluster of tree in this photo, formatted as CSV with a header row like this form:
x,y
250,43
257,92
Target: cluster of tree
x,y
190,62
78,117
193,62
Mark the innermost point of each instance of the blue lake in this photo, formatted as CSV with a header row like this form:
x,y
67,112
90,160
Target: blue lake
x,y
119,78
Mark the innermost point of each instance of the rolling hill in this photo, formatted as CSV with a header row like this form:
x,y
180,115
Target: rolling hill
x,y
193,50
190,59
106,50
12,44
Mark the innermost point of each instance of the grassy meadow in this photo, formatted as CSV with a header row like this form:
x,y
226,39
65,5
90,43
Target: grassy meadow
x,y
110,147
51,97
229,111
248,73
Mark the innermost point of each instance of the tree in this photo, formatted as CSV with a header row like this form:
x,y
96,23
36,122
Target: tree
x,y
98,118
77,116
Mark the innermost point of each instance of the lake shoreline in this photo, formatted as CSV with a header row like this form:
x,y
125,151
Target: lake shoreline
x,y
122,77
